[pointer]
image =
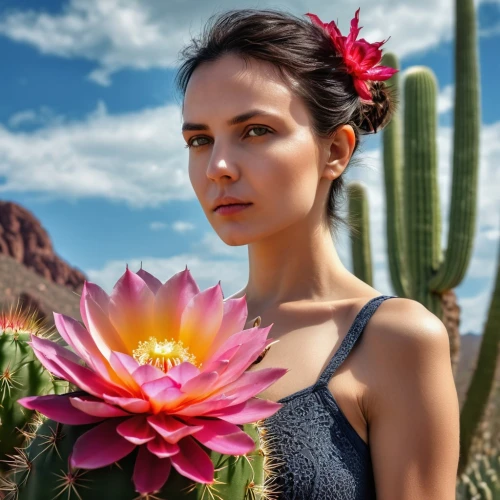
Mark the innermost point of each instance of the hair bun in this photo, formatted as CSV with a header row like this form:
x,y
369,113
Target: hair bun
x,y
377,114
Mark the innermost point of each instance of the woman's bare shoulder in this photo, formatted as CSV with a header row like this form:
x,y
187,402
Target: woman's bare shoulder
x,y
400,336
404,319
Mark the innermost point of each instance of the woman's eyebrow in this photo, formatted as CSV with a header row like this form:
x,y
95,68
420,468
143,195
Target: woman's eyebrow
x,y
233,121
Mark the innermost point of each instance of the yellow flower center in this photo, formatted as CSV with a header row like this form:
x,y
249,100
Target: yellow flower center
x,y
163,355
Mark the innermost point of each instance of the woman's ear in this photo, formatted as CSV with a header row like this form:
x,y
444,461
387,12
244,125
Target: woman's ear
x,y
339,149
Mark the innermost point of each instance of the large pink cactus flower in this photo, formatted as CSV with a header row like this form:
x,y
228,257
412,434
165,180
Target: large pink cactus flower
x,y
159,359
360,56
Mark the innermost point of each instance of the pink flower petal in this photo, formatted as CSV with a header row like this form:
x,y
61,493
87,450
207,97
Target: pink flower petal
x,y
214,363
147,373
136,430
203,383
97,408
169,398
171,300
153,283
171,429
100,446
252,383
253,336
75,335
240,362
100,327
233,320
183,372
201,320
209,405
133,405
162,448
193,462
244,413
165,400
199,387
83,343
58,408
380,73
53,350
222,436
150,472
362,89
131,310
154,387
55,359
124,365
98,295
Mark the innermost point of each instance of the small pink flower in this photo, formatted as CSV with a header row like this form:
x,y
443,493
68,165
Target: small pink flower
x,y
361,57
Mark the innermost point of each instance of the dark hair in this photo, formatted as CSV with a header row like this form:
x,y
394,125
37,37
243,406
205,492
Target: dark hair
x,y
306,59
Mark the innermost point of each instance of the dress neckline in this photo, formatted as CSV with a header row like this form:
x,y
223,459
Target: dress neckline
x,y
310,388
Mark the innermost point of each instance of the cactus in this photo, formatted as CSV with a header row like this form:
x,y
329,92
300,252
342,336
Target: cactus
x,y
41,472
360,232
21,374
430,277
417,267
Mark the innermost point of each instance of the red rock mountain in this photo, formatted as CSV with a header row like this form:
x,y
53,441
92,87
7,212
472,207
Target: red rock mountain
x,y
23,238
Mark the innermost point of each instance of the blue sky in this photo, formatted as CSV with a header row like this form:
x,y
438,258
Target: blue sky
x,y
90,136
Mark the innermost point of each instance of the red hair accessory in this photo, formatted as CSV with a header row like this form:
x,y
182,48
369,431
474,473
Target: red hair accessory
x,y
360,57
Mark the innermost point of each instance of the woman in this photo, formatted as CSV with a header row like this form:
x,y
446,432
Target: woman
x,y
273,111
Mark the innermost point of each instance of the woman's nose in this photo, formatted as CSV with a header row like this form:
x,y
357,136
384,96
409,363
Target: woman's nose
x,y
221,165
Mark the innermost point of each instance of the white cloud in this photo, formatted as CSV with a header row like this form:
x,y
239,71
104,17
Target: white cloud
x,y
445,99
137,158
178,226
119,34
182,226
43,117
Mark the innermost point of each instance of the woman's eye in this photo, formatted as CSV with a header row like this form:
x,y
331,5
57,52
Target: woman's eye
x,y
191,142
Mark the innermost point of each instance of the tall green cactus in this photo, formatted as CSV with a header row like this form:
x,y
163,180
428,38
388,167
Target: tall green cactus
x,y
417,267
41,471
360,232
483,378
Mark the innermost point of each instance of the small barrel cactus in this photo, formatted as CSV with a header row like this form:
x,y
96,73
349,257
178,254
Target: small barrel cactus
x,y
21,374
41,471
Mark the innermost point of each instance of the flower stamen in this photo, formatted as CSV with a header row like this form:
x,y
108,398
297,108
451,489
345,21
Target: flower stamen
x,y
163,355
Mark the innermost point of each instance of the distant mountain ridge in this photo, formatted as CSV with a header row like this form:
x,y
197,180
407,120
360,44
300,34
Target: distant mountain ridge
x,y
23,238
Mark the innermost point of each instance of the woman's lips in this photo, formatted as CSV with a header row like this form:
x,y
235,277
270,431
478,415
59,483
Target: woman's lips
x,y
231,209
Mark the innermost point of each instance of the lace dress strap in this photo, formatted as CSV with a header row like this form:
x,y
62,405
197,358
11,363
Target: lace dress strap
x,y
352,336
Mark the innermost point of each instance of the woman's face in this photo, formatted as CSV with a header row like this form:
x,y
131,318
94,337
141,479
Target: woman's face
x,y
270,161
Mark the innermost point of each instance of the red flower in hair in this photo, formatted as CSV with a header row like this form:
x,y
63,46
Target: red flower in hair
x,y
361,57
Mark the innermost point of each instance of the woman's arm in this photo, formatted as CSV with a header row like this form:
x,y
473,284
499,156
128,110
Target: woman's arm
x,y
412,409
